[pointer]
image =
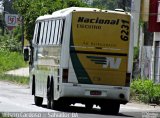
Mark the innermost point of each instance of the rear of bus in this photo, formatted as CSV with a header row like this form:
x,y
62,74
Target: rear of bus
x,y
100,62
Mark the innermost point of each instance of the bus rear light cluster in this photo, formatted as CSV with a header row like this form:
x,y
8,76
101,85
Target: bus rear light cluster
x,y
65,76
128,76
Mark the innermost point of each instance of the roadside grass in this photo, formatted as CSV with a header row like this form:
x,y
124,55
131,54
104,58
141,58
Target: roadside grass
x,y
146,91
15,79
2,116
10,60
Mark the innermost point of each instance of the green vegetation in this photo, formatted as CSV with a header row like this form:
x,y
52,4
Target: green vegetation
x,y
11,41
10,60
31,9
112,4
11,56
3,116
144,90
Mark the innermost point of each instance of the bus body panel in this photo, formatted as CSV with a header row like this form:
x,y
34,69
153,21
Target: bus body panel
x,y
86,91
99,48
99,69
100,31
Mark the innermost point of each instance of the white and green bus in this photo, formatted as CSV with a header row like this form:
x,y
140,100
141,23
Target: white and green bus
x,y
82,55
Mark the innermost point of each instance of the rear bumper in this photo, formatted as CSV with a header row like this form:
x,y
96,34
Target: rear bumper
x,y
82,91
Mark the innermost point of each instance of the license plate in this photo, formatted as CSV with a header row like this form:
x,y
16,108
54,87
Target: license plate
x,y
95,92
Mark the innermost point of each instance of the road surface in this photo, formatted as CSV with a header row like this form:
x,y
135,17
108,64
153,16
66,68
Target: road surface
x,y
16,98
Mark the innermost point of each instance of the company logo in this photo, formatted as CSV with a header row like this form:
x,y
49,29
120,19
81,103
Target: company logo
x,y
98,21
106,62
13,20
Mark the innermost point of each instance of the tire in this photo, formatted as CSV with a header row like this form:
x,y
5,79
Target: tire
x,y
33,85
52,102
89,106
48,99
38,100
110,108
48,94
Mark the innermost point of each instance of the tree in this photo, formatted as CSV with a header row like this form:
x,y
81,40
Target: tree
x,y
124,4
105,4
74,3
8,6
31,9
111,4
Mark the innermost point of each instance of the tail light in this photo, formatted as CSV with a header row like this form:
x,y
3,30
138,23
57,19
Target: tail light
x,y
65,76
128,77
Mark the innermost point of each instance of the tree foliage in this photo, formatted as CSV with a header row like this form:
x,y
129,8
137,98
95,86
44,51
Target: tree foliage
x,y
74,3
111,4
31,9
104,4
8,6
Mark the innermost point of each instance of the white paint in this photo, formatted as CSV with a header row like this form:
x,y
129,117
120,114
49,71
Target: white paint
x,y
112,63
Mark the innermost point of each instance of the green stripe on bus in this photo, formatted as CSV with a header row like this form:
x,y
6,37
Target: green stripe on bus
x,y
80,72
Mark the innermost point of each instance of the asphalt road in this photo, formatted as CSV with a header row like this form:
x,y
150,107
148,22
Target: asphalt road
x,y
15,98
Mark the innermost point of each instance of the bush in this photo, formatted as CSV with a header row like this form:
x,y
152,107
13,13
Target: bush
x,y
11,50
12,41
10,60
145,90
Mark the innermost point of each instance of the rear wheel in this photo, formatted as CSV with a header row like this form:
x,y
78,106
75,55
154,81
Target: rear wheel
x,y
33,85
54,104
48,99
50,91
110,108
89,106
38,100
48,94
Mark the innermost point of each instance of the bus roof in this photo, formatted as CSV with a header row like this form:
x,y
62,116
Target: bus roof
x,y
66,11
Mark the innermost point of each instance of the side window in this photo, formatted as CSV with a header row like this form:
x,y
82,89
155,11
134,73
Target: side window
x,y
61,38
60,31
41,33
45,33
38,35
48,32
52,32
56,32
35,33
